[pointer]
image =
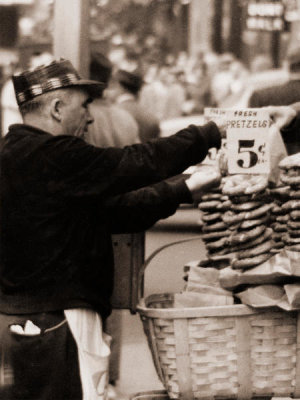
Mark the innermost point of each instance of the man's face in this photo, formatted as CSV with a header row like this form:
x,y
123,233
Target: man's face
x,y
75,113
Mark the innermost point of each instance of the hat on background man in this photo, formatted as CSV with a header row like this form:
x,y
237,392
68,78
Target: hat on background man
x,y
100,68
45,78
132,81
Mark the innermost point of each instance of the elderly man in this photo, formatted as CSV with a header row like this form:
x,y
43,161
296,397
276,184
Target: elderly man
x,y
61,199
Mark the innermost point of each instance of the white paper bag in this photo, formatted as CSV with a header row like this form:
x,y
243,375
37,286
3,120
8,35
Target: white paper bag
x,y
93,350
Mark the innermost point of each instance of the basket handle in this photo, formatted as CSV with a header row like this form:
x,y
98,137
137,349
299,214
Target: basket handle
x,y
154,254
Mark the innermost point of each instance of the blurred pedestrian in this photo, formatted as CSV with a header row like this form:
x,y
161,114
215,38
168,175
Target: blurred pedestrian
x,y
283,94
127,89
61,199
113,126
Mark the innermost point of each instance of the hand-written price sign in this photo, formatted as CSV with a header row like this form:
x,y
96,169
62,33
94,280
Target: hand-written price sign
x,y
248,147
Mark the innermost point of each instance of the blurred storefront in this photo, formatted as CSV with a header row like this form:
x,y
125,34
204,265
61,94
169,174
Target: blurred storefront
x,y
157,29
248,28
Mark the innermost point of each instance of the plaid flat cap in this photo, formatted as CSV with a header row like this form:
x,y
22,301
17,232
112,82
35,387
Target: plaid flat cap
x,y
45,78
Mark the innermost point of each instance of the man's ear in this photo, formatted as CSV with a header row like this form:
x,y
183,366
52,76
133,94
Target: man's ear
x,y
56,109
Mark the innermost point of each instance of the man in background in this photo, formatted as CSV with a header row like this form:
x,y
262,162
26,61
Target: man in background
x,y
283,95
113,126
126,87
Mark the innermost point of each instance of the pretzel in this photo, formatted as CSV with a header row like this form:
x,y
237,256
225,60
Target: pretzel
x,y
258,212
219,244
222,257
257,250
244,184
295,214
208,205
211,217
247,236
231,217
275,251
257,187
279,245
211,196
277,236
286,238
225,205
250,223
250,205
294,232
241,199
277,227
213,252
282,218
295,194
224,197
281,191
268,233
215,235
288,162
277,210
290,180
293,224
291,205
218,226
295,247
250,262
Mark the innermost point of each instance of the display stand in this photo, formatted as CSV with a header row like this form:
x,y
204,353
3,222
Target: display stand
x,y
129,250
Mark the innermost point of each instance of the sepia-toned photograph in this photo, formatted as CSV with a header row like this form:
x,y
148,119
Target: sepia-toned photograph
x,y
149,199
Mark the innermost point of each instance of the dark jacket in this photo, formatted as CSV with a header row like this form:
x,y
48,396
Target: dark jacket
x,y
61,199
280,95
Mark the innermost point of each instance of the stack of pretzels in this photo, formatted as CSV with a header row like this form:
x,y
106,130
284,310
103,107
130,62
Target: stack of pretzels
x,y
215,231
290,177
251,241
238,226
279,215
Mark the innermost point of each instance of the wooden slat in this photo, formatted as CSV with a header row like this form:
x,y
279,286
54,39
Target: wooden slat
x,y
183,359
243,335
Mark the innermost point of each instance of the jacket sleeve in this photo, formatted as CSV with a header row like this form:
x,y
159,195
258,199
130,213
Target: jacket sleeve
x,y
90,171
291,135
138,210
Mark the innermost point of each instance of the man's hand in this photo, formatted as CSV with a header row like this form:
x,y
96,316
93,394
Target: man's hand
x,y
281,115
201,182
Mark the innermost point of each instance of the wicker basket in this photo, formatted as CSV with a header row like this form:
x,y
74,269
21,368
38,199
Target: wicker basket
x,y
233,352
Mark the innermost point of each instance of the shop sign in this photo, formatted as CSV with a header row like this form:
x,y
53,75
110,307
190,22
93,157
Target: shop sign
x,y
265,16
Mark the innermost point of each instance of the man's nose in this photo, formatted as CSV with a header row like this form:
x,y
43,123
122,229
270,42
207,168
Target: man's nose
x,y
90,118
